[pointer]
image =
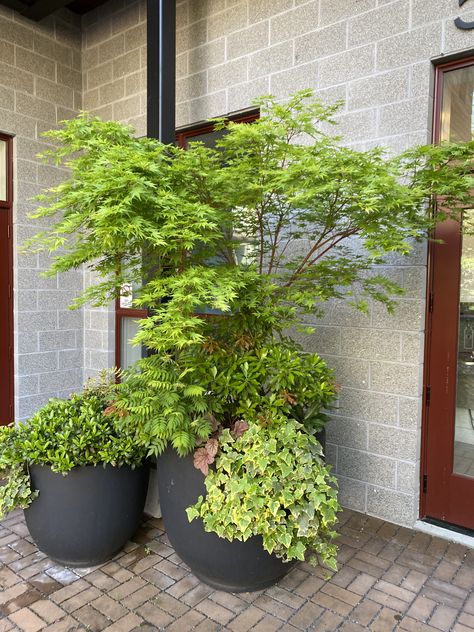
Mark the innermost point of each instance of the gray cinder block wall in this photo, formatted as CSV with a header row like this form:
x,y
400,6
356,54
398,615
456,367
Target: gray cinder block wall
x,y
40,84
375,55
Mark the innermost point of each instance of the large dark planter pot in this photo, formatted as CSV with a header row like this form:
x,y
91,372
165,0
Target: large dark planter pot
x,y
85,517
231,566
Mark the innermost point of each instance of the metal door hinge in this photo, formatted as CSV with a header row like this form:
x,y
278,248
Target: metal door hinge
x,y
427,395
425,483
430,302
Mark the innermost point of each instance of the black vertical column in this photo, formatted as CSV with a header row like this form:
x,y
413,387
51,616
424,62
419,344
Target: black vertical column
x,y
161,69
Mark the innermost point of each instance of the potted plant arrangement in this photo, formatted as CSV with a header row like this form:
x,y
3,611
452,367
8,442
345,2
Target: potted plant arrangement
x,y
81,480
233,247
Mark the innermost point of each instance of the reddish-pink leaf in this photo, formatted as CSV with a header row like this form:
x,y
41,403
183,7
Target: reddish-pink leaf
x,y
239,428
212,446
201,460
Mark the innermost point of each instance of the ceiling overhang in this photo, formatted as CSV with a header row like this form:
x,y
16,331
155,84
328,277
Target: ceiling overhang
x,y
38,9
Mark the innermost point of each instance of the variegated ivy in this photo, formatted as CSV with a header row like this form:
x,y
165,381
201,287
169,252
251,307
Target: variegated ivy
x,y
272,481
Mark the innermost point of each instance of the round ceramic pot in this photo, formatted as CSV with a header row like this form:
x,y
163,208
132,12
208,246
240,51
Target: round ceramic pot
x,y
84,517
230,566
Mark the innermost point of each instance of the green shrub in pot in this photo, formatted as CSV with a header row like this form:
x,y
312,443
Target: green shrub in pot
x,y
66,440
263,230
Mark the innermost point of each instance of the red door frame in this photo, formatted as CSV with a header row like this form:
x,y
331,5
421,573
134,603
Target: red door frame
x,y
6,289
444,495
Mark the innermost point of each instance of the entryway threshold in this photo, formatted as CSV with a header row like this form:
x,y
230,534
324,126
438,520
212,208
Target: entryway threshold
x,y
445,534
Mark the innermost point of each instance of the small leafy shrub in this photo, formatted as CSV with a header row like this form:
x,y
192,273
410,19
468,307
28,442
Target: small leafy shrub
x,y
64,434
272,481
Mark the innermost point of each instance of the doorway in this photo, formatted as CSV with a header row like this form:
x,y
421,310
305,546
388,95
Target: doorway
x,y
448,473
6,280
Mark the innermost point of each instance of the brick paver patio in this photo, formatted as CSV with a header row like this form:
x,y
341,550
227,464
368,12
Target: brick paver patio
x,y
390,578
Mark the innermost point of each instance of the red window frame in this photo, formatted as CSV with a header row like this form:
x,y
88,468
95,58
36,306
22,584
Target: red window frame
x,y
6,285
181,140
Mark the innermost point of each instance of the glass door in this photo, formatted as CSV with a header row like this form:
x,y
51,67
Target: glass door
x,y
6,282
448,483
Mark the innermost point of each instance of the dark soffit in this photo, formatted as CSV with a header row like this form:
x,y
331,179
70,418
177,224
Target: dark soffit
x,y
39,9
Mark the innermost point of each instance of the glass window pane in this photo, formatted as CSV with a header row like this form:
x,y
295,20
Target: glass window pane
x,y
457,120
3,170
129,354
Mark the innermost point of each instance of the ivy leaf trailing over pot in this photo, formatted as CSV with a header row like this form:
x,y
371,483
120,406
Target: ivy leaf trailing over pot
x,y
272,482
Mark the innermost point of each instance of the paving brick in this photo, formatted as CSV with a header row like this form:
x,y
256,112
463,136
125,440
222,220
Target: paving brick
x,y
305,617
154,615
81,599
246,620
91,618
365,612
214,611
268,624
48,610
140,596
109,607
385,621
443,618
126,624
422,608
187,622
27,620
344,595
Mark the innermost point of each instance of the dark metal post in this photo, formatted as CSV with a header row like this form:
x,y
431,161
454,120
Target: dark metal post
x,y
161,69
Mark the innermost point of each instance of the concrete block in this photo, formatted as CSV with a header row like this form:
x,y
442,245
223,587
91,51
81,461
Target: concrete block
x,y
51,91
182,63
396,443
27,406
26,342
69,381
354,126
99,75
49,47
295,22
409,413
125,64
405,116
135,84
350,372
321,43
226,75
408,476
16,32
391,505
111,92
325,340
37,362
202,10
271,60
127,18
68,34
57,340
412,347
193,36
7,53
70,319
11,77
432,10
370,344
27,385
379,89
221,24
343,67
191,87
182,13
26,301
26,171
242,43
282,84
400,379
7,98
242,95
208,106
262,9
31,280
421,79
352,493
364,405
383,21
331,456
90,58
342,431
335,10
408,315
71,359
408,48
362,466
112,48
97,32
69,77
